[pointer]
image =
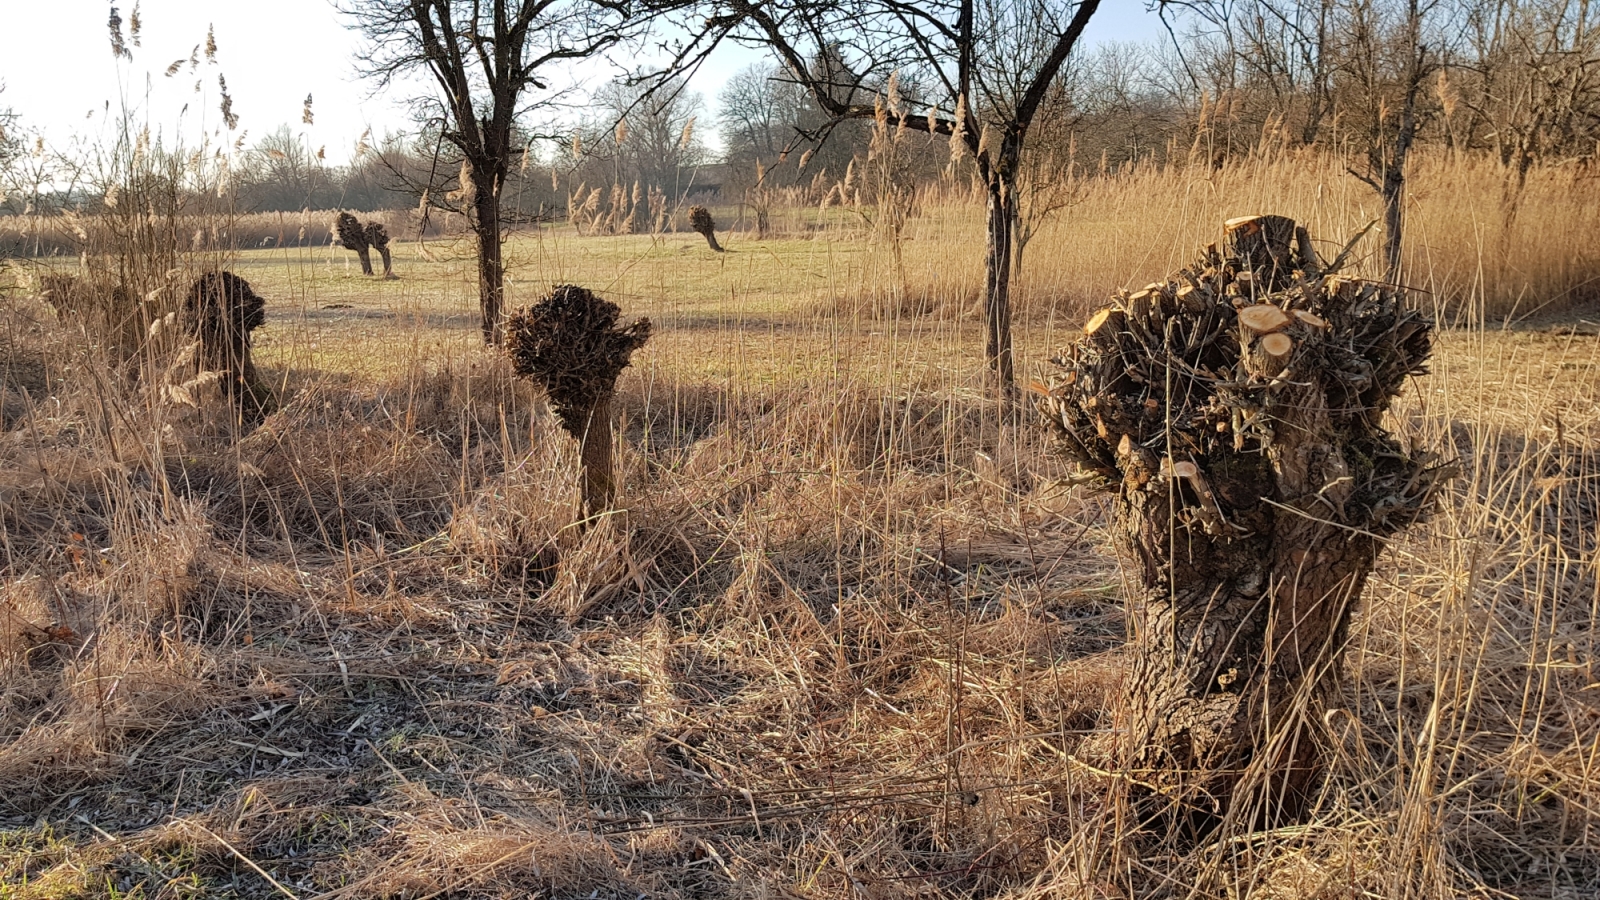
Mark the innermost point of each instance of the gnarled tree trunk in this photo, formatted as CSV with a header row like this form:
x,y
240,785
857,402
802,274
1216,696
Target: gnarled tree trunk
x,y
1236,409
594,450
378,237
352,236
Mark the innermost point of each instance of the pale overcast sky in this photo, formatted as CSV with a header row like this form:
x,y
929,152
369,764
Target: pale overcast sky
x,y
59,74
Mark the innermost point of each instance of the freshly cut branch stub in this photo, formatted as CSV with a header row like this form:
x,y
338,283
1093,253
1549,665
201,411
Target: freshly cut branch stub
x,y
1310,319
1263,318
1277,345
1097,321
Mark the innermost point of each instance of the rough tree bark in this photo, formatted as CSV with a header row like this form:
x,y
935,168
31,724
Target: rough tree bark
x,y
1237,408
378,237
570,343
1000,224
594,452
491,266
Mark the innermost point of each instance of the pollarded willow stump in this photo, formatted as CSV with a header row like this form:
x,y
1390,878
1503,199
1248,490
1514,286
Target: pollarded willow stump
x,y
219,313
378,237
352,236
1236,409
569,342
700,221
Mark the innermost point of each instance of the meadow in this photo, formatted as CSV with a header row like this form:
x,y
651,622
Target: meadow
x,y
853,631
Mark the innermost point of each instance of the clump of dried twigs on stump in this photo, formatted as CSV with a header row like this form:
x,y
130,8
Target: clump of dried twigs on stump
x,y
1236,408
700,221
378,237
570,343
219,312
352,236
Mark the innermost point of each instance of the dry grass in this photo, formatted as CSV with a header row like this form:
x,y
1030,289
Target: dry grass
x,y
849,637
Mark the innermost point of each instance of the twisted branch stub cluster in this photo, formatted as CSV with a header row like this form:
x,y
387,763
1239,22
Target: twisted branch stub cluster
x,y
570,343
1206,370
1236,409
219,312
700,221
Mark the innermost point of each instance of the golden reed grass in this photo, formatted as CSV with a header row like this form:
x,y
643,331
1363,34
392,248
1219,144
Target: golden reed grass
x,y
1473,249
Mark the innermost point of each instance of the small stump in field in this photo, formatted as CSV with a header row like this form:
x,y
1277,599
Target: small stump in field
x,y
700,221
1236,409
219,312
352,236
378,237
569,342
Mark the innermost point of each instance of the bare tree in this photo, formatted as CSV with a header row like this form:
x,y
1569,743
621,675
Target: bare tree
x,y
10,153
982,69
10,145
1529,87
1369,63
643,142
284,173
1387,67
485,57
759,112
1277,56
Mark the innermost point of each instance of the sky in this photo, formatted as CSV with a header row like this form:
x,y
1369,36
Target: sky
x,y
58,72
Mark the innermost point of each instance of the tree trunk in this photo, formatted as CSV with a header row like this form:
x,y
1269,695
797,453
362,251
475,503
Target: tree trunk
x,y
1001,223
599,483
366,260
1394,187
1418,67
1237,410
1234,637
491,268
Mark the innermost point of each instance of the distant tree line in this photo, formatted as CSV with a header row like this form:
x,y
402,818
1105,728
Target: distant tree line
x,y
1000,97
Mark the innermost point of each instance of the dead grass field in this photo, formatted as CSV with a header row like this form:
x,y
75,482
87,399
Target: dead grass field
x,y
850,637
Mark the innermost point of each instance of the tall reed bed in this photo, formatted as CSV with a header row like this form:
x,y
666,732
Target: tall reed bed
x,y
1474,249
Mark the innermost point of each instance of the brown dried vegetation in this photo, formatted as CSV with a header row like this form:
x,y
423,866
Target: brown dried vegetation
x,y
848,639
